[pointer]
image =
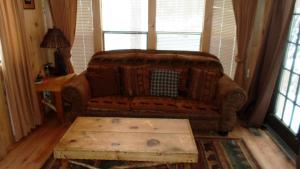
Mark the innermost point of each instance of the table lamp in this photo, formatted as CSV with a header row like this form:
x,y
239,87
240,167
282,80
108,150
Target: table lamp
x,y
55,38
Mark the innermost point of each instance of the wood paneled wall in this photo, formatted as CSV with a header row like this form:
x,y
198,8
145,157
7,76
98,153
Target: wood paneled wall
x,y
35,31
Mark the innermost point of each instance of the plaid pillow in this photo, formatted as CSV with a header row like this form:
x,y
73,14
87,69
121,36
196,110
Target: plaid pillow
x,y
164,83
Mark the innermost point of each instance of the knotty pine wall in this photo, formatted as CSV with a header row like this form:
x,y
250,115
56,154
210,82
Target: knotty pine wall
x,y
35,31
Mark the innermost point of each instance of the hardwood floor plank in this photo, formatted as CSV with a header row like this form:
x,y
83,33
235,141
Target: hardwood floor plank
x,y
43,151
34,149
22,149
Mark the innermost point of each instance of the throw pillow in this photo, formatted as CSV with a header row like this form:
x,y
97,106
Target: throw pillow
x,y
164,83
183,77
104,81
183,80
203,85
136,80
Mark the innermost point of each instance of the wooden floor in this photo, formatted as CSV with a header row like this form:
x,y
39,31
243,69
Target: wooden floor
x,y
33,151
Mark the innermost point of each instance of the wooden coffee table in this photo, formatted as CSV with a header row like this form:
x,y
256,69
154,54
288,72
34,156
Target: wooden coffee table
x,y
129,139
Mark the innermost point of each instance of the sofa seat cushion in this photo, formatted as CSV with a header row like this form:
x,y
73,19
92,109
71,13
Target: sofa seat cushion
x,y
153,103
195,108
109,103
185,107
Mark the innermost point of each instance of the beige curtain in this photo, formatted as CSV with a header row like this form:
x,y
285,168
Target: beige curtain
x,y
17,70
64,18
269,62
6,138
244,11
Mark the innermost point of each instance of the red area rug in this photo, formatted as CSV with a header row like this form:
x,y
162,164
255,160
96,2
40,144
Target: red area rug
x,y
214,153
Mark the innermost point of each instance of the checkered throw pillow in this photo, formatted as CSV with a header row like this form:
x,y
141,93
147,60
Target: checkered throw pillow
x,y
164,83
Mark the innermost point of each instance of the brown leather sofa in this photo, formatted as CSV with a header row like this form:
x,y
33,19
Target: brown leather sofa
x,y
120,83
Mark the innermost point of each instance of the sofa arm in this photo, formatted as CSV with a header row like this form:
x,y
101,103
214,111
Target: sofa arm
x,y
75,95
231,97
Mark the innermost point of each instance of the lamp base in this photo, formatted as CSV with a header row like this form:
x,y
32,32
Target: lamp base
x,y
60,65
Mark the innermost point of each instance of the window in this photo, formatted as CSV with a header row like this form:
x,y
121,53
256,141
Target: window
x,y
179,24
83,47
156,24
284,117
223,35
125,24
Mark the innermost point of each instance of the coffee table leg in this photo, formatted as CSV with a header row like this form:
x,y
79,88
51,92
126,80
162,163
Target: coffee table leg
x,y
64,164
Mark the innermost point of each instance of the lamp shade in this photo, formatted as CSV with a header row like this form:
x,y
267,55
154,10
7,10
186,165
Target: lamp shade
x,y
55,38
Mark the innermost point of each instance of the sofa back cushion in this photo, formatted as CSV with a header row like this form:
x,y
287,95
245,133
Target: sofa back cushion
x,y
136,80
104,80
136,67
164,82
203,84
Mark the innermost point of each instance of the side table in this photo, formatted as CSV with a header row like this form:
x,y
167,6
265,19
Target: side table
x,y
54,85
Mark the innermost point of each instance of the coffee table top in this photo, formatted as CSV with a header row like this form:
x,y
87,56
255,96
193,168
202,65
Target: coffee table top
x,y
131,139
